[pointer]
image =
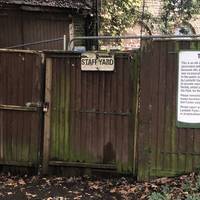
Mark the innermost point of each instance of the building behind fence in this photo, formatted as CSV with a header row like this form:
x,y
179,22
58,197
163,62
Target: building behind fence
x,y
30,21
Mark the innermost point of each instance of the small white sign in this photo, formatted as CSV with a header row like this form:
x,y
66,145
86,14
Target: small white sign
x,y
188,108
91,61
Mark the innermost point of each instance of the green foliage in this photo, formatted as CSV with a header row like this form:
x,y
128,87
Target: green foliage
x,y
177,12
157,196
198,183
193,197
165,189
186,187
116,15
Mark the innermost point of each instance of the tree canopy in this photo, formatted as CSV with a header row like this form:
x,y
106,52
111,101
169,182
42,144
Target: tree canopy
x,y
117,15
178,12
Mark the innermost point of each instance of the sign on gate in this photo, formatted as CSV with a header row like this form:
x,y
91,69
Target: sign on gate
x,y
92,61
188,108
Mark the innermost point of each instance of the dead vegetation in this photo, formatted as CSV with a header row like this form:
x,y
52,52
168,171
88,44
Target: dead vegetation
x,y
61,188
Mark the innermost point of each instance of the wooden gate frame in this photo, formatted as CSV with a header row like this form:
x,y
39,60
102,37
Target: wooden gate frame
x,y
47,115
47,119
30,107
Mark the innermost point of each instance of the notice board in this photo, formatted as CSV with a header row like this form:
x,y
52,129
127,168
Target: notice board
x,y
188,97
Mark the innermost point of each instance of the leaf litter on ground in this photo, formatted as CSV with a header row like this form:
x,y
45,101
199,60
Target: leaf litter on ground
x,y
185,187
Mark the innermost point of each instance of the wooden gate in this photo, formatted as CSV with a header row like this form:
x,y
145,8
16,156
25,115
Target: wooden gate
x,y
91,121
20,108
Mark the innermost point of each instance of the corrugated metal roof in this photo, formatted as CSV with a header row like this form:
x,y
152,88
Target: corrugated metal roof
x,y
76,4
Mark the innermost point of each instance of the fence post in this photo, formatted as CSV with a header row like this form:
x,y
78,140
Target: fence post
x,y
47,116
65,43
145,113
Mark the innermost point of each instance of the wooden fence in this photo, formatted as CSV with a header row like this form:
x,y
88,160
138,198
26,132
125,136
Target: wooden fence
x,y
163,148
20,108
54,114
91,116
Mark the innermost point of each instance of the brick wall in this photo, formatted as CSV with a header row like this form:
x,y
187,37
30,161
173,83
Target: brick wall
x,y
155,7
196,24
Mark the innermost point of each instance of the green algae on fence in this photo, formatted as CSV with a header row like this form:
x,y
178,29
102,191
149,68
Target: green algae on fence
x,y
59,146
178,150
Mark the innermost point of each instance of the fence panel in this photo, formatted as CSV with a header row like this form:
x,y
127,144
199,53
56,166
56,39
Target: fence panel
x,y
164,149
93,114
20,111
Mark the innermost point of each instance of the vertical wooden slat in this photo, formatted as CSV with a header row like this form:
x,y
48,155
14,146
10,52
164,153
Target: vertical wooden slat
x,y
72,99
57,104
119,99
108,145
1,136
127,164
135,106
2,78
47,118
95,122
101,97
53,112
67,110
62,109
145,111
21,125
113,108
161,100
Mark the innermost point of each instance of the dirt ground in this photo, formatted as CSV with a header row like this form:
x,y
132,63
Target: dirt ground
x,y
61,188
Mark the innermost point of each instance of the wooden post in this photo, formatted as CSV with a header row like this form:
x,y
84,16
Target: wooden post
x,y
65,42
71,35
47,116
1,135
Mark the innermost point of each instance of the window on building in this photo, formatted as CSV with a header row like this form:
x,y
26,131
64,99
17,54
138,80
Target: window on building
x,y
184,30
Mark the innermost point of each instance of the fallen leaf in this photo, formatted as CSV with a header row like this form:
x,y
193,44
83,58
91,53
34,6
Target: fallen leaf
x,y
21,182
78,197
143,196
113,190
49,198
30,195
10,182
163,180
123,191
154,186
132,189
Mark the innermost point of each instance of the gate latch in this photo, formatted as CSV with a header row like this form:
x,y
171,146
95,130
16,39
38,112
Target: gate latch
x,y
46,107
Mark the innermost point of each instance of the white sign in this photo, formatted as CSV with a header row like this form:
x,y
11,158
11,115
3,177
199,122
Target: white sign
x,y
188,108
91,61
